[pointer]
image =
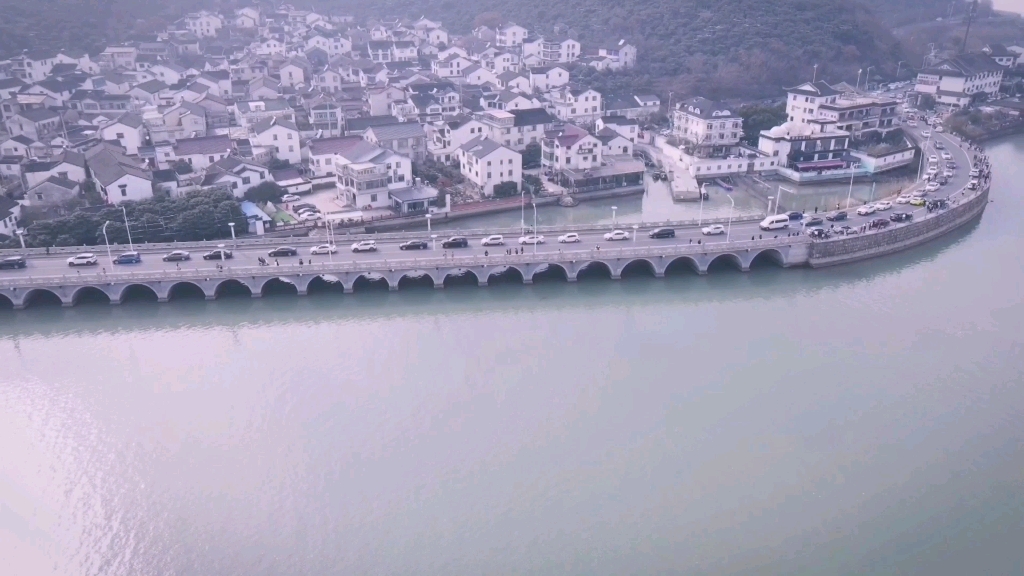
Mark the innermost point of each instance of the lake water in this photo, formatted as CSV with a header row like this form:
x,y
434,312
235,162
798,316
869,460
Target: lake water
x,y
865,419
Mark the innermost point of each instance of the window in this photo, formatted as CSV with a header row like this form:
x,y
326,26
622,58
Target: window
x,y
120,135
289,135
291,148
488,175
245,179
275,137
373,197
39,196
124,189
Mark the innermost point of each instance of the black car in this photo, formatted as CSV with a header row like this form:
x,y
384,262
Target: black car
x,y
818,233
662,233
456,242
413,245
283,251
177,256
838,216
901,217
297,207
879,223
814,221
795,215
13,262
128,258
218,254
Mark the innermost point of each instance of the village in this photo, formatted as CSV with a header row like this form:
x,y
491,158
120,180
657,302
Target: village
x,y
395,119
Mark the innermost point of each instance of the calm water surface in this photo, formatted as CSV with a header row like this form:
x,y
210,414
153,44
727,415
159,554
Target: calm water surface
x,y
858,420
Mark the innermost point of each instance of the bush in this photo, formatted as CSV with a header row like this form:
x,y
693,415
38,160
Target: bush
x,y
265,192
531,156
506,189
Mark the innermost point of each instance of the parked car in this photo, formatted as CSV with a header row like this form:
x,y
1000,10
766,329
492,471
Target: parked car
x,y
947,173
128,258
531,239
818,233
926,133
18,261
177,256
878,223
933,159
290,198
883,205
616,235
323,249
836,216
951,165
912,123
946,155
917,201
972,185
713,230
218,254
413,245
901,216
974,173
939,145
310,216
814,221
903,199
776,222
931,187
456,242
866,210
569,238
662,233
939,128
494,240
86,259
848,231
365,246
303,205
795,215
283,251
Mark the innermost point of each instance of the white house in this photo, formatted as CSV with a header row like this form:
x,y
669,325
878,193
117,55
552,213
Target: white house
x,y
118,177
510,35
280,136
574,105
127,131
628,128
445,137
557,49
802,101
236,174
954,81
570,147
711,127
486,163
200,153
366,173
612,143
544,78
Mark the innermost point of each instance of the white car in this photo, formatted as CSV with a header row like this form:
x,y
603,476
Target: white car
x,y
569,238
86,259
310,216
903,199
931,187
926,133
866,210
617,235
975,173
531,239
365,246
495,240
290,198
911,123
932,172
323,249
933,159
713,230
947,156
883,205
938,128
948,173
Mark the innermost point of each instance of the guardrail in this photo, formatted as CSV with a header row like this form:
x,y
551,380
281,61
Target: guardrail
x,y
341,236
404,264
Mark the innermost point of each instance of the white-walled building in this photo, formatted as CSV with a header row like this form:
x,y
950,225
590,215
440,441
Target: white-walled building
x,y
486,163
628,128
200,153
575,105
957,79
510,35
553,50
281,137
709,127
802,101
127,131
570,147
118,177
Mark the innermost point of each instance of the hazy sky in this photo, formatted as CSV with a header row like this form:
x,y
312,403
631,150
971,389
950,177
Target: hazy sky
x,y
1014,5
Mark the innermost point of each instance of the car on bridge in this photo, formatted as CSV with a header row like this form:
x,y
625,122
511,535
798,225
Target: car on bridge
x,y
713,230
531,239
795,215
365,246
903,199
883,205
283,251
494,240
177,256
219,254
865,210
87,259
456,242
18,261
128,258
878,223
570,238
413,245
323,249
848,231
662,233
901,216
932,187
917,201
818,233
837,216
814,221
615,235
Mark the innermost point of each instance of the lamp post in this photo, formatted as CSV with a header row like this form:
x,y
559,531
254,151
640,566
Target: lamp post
x,y
614,208
107,242
778,199
21,236
728,231
131,246
857,87
849,195
700,216
867,77
428,223
234,243
898,66
433,239
770,198
815,77
522,211
635,228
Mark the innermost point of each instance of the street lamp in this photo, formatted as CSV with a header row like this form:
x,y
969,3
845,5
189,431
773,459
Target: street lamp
x,y
849,195
234,244
433,238
700,217
131,246
815,77
522,211
107,242
728,231
635,228
428,223
779,197
898,66
859,72
770,198
614,208
21,236
534,204
867,77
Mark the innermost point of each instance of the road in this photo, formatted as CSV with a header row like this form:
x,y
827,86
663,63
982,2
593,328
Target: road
x,y
53,265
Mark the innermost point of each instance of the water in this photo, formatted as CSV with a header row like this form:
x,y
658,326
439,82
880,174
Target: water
x,y
858,420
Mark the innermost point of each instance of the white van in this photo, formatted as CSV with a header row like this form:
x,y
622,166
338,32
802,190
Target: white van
x,y
775,222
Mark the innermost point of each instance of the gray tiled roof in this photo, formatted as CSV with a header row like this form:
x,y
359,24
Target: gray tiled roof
x,y
202,145
402,130
481,147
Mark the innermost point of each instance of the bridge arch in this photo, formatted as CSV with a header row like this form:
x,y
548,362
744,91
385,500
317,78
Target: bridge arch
x,y
141,292
593,269
324,284
415,279
232,287
550,272
41,297
370,281
639,267
6,303
506,274
185,290
727,258
682,263
277,286
460,277
769,255
89,294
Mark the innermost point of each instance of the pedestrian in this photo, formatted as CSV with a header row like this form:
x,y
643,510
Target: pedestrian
x,y
698,241
486,254
815,209
691,241
47,250
276,263
759,237
300,261
751,238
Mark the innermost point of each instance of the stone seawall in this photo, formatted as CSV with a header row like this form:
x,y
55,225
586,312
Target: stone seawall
x,y
832,252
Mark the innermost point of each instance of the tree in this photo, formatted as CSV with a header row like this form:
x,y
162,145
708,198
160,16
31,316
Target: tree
x,y
278,164
490,19
531,156
265,192
926,102
758,117
182,167
506,189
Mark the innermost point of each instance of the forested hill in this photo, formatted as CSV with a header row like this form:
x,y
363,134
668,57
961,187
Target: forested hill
x,y
715,47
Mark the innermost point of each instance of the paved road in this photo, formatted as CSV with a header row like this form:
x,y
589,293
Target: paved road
x,y
387,249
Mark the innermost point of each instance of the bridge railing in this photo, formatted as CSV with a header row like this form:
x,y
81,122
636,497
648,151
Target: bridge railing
x,y
341,266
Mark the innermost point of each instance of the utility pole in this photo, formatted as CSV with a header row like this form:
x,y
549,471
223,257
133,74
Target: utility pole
x,y
970,17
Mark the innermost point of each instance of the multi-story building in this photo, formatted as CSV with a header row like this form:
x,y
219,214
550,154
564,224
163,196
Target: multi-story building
x,y
802,101
956,80
406,138
553,49
510,35
576,105
517,129
709,128
365,173
487,163
569,147
445,137
816,145
856,114
327,120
